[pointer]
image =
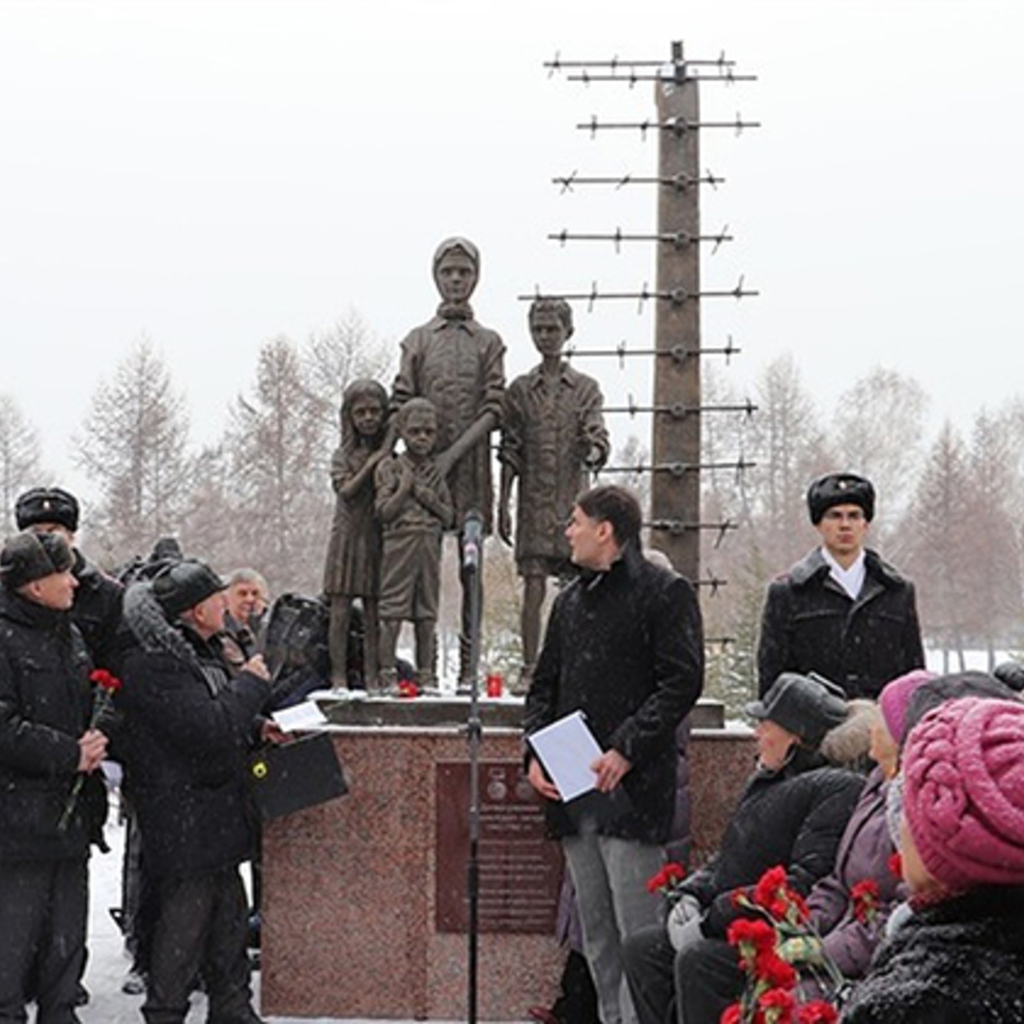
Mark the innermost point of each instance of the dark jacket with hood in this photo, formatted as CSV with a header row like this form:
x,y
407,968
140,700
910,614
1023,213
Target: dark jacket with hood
x,y
625,647
45,706
810,624
959,961
186,734
97,613
794,817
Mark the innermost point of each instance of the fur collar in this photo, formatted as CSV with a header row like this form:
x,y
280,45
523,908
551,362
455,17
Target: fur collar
x,y
148,623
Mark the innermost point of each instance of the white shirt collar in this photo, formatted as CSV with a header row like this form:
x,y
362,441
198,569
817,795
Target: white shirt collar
x,y
852,579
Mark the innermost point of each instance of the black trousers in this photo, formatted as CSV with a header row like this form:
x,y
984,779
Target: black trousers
x,y
43,912
200,929
692,987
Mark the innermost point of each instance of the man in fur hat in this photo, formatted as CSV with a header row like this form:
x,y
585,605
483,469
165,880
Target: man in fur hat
x,y
46,740
188,729
97,607
841,611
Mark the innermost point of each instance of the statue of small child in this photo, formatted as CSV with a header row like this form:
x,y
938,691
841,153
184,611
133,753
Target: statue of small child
x,y
415,507
352,568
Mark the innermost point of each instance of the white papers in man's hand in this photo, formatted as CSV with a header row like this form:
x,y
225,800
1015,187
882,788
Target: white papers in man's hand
x,y
304,716
567,749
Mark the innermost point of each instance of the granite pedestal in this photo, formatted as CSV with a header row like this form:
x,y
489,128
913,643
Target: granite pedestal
x,y
361,896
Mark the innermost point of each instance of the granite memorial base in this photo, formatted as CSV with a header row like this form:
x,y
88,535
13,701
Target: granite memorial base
x,y
364,897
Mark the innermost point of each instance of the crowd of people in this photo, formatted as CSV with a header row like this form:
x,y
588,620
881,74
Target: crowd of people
x,y
861,753
159,673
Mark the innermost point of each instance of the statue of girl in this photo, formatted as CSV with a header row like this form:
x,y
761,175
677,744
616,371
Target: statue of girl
x,y
353,561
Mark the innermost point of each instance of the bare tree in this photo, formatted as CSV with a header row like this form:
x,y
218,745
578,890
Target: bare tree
x,y
990,591
790,449
878,432
207,529
279,455
933,536
19,458
133,445
333,358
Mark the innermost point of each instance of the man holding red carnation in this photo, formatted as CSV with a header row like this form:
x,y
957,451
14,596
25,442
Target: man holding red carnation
x,y
46,740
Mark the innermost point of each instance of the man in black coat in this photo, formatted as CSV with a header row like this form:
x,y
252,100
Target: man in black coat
x,y
624,645
841,612
97,608
45,741
188,728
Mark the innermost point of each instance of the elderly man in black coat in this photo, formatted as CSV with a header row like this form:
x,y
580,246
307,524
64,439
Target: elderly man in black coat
x,y
624,645
45,741
188,729
841,611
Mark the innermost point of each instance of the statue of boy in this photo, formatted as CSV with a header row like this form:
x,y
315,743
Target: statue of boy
x,y
414,506
459,366
552,438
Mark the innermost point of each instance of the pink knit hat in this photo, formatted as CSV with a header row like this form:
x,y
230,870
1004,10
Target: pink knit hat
x,y
895,697
963,770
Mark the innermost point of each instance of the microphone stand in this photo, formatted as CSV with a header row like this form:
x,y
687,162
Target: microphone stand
x,y
474,733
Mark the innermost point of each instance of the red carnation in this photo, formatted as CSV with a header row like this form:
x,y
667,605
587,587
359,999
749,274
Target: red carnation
x,y
769,885
777,1006
865,898
732,1015
818,1012
666,880
896,865
775,971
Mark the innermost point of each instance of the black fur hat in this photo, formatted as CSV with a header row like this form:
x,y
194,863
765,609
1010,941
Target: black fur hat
x,y
840,489
47,505
30,556
182,585
807,706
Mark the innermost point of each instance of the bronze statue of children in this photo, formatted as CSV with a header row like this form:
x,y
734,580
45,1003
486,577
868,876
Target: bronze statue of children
x,y
352,568
459,365
553,437
415,507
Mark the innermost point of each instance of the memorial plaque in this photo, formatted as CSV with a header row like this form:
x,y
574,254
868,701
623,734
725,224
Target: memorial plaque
x,y
520,869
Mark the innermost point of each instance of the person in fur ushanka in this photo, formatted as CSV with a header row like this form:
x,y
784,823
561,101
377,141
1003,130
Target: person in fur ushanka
x,y
188,729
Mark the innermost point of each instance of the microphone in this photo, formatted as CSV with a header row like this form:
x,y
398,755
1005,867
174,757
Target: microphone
x,y
472,539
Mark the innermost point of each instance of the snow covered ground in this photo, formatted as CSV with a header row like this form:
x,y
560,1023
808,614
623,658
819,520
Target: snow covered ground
x,y
107,962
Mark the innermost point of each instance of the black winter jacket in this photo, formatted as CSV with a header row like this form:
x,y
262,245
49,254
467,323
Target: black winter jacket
x,y
794,817
626,648
810,624
185,737
960,961
45,706
97,614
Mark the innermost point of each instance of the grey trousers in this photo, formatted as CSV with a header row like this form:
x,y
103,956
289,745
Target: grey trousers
x,y
610,876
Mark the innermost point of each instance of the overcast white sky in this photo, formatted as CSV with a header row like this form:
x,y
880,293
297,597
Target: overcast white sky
x,y
213,174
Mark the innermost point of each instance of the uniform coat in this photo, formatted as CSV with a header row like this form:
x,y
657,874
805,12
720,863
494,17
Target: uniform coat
x,y
626,648
810,624
45,705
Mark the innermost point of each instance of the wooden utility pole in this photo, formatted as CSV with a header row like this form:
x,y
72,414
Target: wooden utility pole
x,y
675,441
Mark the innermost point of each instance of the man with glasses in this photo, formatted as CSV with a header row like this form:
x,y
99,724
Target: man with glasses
x,y
842,611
